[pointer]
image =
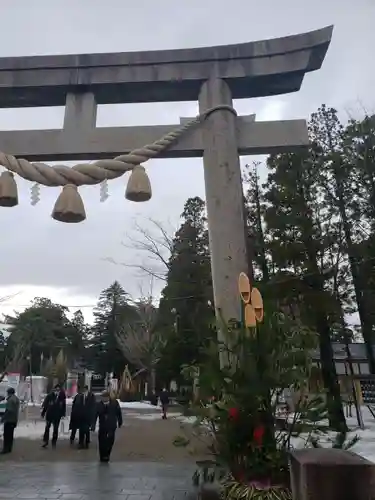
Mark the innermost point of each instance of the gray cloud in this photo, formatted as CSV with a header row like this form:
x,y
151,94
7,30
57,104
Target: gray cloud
x,y
35,249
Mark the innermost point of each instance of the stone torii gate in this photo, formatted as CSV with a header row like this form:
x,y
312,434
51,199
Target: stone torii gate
x,y
212,75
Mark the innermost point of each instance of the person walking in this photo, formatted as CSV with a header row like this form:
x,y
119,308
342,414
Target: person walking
x,y
82,416
53,409
110,417
164,400
75,416
10,420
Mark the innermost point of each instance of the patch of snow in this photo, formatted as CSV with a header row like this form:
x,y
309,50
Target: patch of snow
x,y
34,430
137,405
186,420
157,416
145,416
69,402
366,444
364,447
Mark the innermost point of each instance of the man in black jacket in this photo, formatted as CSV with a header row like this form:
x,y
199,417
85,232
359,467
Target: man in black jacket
x,y
82,417
110,417
54,409
10,419
164,400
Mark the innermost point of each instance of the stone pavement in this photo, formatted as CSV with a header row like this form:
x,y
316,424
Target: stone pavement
x,y
94,481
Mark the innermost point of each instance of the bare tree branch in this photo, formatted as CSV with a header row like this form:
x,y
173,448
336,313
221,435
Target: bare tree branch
x,y
138,340
8,297
155,244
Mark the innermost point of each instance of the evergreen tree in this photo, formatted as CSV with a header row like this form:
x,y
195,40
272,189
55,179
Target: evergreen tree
x,y
3,345
82,331
296,223
111,313
44,329
186,309
359,143
327,135
254,217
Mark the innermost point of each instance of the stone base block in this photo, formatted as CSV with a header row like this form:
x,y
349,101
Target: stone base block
x,y
331,474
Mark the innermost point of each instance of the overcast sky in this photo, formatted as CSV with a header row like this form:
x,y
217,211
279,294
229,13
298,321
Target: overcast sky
x,y
40,257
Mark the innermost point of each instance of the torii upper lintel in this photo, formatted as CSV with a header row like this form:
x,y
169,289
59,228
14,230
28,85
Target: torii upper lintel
x,y
253,69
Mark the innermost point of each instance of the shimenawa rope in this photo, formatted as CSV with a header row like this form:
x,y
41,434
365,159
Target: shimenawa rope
x,y
101,170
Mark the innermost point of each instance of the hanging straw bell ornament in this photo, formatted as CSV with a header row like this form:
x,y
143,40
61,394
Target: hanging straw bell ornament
x,y
8,190
69,206
139,187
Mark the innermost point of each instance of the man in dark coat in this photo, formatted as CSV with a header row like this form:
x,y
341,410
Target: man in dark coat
x,y
53,409
110,417
10,419
164,400
82,417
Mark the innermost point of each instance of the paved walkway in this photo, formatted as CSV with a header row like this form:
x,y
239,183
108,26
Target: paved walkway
x,y
94,481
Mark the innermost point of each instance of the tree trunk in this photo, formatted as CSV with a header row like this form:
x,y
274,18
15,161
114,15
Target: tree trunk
x,y
335,410
262,244
365,318
152,380
316,282
250,255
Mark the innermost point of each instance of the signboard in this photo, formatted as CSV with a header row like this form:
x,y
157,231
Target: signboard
x,y
98,382
368,391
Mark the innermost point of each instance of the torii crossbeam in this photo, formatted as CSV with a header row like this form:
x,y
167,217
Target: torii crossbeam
x,y
212,75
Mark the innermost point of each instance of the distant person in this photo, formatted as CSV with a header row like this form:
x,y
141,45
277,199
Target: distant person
x,y
82,417
53,409
164,400
110,417
10,420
